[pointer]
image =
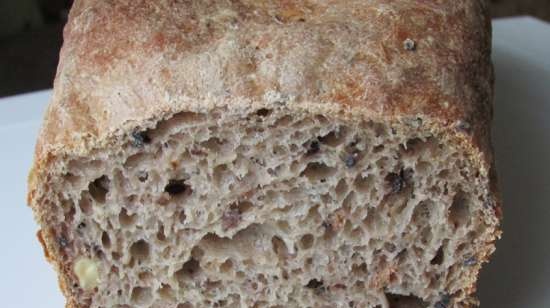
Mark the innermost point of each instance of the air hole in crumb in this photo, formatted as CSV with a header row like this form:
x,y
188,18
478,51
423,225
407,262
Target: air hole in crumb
x,y
135,160
359,269
315,171
182,217
188,117
411,146
213,144
279,247
220,173
390,247
329,231
284,274
321,119
166,252
443,174
306,242
348,202
176,187
341,188
283,121
314,215
197,253
314,284
240,274
279,150
226,266
140,250
84,203
166,292
141,296
405,301
283,226
379,148
68,209
189,270
363,184
243,206
145,276
160,234
312,147
185,305
261,278
438,258
423,167
263,112
125,219
71,178
459,213
334,138
360,286
99,188
380,129
105,240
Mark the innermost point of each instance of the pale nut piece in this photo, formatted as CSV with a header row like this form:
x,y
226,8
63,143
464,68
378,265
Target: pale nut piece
x,y
86,271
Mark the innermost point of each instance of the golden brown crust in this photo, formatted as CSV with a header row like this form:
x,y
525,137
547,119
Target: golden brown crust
x,y
126,64
127,61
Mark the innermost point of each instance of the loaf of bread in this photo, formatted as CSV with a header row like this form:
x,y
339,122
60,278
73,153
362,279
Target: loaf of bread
x,y
269,154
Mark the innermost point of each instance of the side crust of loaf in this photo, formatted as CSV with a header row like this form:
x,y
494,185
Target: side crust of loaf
x,y
127,66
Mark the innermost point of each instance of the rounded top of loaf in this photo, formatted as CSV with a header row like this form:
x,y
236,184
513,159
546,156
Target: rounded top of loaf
x,y
126,64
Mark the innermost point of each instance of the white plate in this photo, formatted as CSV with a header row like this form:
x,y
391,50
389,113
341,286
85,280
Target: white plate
x,y
519,274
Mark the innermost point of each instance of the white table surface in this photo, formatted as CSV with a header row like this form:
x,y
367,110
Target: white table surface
x,y
517,277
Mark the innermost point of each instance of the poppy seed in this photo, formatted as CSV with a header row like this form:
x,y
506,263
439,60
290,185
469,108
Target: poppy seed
x,y
62,241
409,44
350,161
139,139
471,261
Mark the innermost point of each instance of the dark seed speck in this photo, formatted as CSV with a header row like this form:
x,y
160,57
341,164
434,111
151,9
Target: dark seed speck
x,y
142,176
409,45
463,126
62,241
313,147
471,261
395,181
444,302
139,139
350,161
231,218
398,181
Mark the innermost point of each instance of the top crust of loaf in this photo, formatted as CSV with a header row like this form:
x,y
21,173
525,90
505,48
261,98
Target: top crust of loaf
x,y
127,64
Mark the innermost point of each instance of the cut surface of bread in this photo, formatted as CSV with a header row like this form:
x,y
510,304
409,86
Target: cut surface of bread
x,y
154,189
273,208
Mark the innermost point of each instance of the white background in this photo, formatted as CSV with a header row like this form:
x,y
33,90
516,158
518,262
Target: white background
x,y
519,274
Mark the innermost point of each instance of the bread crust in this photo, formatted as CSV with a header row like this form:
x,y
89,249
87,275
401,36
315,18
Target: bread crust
x,y
127,64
